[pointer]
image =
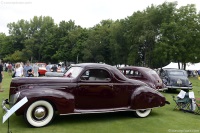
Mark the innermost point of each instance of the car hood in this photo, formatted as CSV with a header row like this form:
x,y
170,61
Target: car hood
x,y
39,80
30,82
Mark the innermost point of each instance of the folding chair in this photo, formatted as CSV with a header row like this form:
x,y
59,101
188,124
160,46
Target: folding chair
x,y
182,100
192,102
197,102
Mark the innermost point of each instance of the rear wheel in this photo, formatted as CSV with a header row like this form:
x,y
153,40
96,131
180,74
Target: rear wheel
x,y
142,113
39,113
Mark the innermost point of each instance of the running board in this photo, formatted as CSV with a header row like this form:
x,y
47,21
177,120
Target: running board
x,y
81,111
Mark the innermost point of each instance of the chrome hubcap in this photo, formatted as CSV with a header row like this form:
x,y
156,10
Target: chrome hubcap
x,y
40,112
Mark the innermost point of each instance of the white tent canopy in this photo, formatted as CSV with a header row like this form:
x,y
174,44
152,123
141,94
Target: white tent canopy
x,y
172,65
194,66
189,66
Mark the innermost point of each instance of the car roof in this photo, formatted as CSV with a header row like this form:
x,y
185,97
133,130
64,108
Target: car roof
x,y
94,65
173,69
136,67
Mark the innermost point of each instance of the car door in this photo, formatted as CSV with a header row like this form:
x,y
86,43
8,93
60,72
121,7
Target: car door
x,y
95,90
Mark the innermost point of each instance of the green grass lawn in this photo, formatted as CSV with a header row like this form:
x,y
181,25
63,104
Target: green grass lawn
x,y
161,120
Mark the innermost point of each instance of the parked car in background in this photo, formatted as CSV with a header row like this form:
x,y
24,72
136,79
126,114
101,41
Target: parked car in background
x,y
54,74
60,67
85,88
144,74
42,68
175,79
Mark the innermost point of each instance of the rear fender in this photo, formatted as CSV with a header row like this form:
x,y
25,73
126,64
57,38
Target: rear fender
x,y
63,102
145,97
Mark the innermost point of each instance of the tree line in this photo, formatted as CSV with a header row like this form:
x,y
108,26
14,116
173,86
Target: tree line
x,y
152,38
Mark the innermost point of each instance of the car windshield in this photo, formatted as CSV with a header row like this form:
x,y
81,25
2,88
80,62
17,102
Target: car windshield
x,y
176,73
73,72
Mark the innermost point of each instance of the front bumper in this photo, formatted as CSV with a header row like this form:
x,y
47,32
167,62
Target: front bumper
x,y
4,102
14,108
179,87
162,89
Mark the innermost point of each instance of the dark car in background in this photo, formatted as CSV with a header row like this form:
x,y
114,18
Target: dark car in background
x,y
175,79
86,88
144,74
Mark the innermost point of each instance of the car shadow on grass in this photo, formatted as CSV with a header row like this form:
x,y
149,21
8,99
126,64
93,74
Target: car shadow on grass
x,y
98,118
172,91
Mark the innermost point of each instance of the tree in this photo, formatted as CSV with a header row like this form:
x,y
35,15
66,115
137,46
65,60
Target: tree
x,y
66,40
97,48
180,34
6,46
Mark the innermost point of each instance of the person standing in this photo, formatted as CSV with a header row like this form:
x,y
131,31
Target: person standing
x,y
28,70
1,76
18,70
54,68
35,70
48,67
10,69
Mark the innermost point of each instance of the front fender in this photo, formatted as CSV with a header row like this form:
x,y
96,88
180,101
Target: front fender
x,y
63,102
145,97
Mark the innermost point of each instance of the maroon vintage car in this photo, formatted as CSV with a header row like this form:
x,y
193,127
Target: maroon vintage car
x,y
144,74
85,88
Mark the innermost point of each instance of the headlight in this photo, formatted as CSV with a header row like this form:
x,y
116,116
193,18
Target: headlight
x,y
13,99
165,81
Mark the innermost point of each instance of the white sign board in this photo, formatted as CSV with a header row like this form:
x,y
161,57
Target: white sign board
x,y
181,94
14,108
191,95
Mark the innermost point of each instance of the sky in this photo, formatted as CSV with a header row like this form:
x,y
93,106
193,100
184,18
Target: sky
x,y
86,13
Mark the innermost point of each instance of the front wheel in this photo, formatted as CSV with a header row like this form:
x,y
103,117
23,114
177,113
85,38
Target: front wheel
x,y
39,113
142,113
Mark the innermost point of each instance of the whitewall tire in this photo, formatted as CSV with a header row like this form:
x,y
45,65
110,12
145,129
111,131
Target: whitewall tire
x,y
39,113
142,113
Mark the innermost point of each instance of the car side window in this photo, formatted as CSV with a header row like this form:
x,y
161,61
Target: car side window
x,y
85,75
128,72
137,74
95,75
131,72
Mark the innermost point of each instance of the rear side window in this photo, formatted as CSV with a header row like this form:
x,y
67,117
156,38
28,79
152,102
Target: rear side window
x,y
133,73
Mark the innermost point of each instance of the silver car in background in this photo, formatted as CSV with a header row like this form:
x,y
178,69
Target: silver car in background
x,y
175,79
